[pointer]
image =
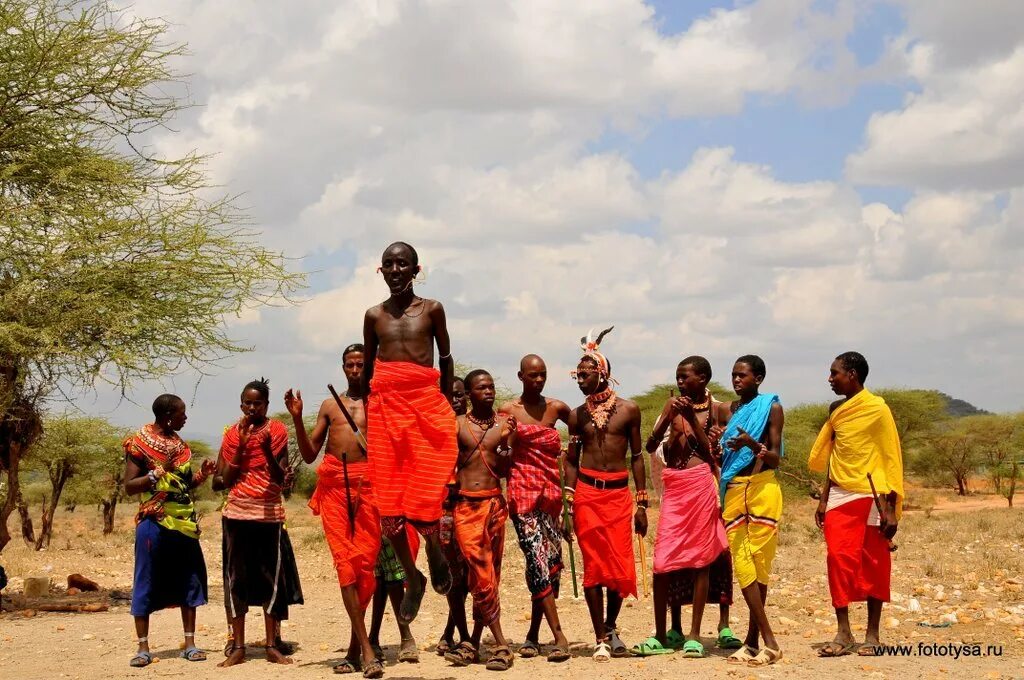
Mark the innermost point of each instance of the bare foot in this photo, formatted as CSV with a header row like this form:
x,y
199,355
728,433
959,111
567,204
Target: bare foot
x,y
236,657
274,656
440,572
408,653
410,606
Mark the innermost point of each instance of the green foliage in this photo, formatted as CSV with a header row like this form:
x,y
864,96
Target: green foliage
x,y
803,423
114,264
916,412
75,445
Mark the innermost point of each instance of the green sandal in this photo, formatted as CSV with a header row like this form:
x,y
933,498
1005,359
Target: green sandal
x,y
693,649
650,647
675,639
726,640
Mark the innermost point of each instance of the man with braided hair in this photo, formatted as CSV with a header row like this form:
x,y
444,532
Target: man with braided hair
x,y
602,431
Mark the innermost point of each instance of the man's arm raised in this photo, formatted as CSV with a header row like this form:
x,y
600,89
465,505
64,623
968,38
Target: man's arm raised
x,y
309,446
445,363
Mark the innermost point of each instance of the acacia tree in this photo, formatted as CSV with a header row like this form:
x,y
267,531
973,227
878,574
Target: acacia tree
x,y
72,446
99,475
115,264
956,451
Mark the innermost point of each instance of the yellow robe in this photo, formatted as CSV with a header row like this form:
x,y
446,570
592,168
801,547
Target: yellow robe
x,y
859,438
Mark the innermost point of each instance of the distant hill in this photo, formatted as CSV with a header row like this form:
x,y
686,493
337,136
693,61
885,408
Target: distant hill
x,y
958,408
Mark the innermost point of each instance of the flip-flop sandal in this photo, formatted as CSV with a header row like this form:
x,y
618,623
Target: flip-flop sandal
x,y
378,652
742,655
833,649
141,660
602,653
651,647
410,606
766,657
619,649
442,647
693,649
869,649
529,649
374,669
675,639
408,654
559,653
347,666
463,655
501,659
193,654
726,640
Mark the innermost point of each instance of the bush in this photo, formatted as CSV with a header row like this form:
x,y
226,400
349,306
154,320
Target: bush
x,y
305,482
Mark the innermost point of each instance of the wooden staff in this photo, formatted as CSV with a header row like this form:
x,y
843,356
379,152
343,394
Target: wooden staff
x,y
566,516
348,416
344,460
643,561
881,514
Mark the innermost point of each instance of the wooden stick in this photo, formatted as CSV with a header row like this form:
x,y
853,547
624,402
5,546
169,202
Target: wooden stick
x,y
643,562
348,416
565,519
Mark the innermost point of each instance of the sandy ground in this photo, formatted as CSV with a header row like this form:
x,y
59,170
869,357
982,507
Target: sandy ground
x,y
966,563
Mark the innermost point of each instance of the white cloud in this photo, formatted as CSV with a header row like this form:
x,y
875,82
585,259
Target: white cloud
x,y
477,132
964,129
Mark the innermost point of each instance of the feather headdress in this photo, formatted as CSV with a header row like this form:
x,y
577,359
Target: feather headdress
x,y
592,350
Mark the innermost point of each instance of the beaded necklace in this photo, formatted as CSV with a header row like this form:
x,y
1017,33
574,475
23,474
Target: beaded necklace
x,y
601,406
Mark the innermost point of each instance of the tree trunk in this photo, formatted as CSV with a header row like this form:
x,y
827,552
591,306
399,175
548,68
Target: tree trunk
x,y
13,490
57,481
1013,484
27,532
109,508
961,485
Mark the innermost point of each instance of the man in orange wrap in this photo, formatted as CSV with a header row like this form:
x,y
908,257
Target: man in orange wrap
x,y
410,423
349,515
479,516
601,432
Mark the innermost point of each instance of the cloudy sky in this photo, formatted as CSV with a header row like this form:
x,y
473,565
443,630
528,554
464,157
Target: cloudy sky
x,y
792,178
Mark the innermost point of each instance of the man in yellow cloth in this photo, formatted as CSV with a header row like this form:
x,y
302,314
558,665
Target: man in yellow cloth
x,y
859,449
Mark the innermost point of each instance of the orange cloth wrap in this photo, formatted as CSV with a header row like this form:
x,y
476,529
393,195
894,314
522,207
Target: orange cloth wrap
x,y
354,553
479,520
410,434
604,530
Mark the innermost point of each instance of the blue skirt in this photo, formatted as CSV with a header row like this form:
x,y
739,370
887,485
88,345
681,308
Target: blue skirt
x,y
169,570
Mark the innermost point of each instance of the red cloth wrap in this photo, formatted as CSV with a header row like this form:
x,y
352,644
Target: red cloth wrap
x,y
859,564
354,553
690,530
533,482
479,519
410,434
604,530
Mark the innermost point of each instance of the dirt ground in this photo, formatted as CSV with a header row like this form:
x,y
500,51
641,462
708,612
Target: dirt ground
x,y
952,559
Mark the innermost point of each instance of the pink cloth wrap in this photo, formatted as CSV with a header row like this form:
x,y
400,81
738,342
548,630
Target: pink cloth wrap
x,y
690,530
